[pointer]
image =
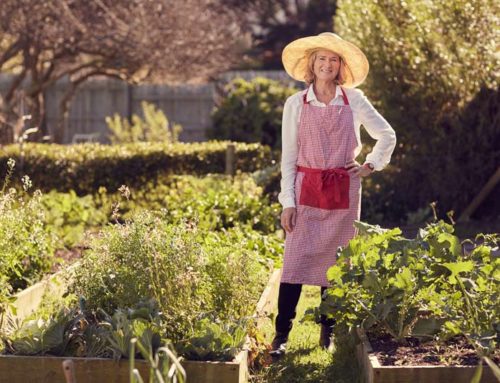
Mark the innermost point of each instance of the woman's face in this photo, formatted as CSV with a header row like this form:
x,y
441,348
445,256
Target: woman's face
x,y
326,65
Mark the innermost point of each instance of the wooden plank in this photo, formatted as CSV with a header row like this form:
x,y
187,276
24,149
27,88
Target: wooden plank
x,y
268,301
28,300
480,197
69,371
49,369
373,372
363,350
25,369
428,374
218,372
230,159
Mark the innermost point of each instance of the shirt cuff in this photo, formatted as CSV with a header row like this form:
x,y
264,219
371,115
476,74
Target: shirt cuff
x,y
287,202
377,165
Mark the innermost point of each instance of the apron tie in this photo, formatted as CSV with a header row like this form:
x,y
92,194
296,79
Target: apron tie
x,y
332,176
328,177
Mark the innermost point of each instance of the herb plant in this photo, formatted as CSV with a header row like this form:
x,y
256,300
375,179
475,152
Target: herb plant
x,y
26,243
189,272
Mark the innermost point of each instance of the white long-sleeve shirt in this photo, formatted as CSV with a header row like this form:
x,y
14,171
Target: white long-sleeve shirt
x,y
363,114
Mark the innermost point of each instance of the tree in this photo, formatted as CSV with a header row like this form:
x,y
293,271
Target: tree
x,y
434,71
133,40
275,23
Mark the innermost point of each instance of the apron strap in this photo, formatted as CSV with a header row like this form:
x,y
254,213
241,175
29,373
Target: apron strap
x,y
344,96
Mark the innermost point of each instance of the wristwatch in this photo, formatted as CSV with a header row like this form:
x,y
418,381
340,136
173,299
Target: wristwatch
x,y
370,166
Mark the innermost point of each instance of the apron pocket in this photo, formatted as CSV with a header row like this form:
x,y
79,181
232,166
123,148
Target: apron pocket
x,y
325,190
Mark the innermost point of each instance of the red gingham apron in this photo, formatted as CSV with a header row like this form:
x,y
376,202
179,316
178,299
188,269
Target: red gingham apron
x,y
327,198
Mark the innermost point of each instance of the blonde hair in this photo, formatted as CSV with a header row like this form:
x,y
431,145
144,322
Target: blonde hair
x,y
311,58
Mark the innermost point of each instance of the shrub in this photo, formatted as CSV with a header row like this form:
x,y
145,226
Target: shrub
x,y
269,179
252,111
190,273
426,79
154,128
86,167
26,244
69,216
214,202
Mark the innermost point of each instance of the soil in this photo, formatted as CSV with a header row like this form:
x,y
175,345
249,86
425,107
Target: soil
x,y
453,352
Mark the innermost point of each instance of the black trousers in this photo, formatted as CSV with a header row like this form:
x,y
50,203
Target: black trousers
x,y
288,298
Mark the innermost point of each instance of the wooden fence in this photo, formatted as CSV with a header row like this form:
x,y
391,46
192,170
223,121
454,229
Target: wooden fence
x,y
188,105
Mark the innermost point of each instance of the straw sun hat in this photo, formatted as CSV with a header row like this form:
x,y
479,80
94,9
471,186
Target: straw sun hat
x,y
295,57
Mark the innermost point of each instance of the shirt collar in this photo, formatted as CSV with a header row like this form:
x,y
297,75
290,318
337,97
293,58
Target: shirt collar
x,y
311,96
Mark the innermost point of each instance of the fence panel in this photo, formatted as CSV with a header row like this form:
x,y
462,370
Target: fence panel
x,y
188,105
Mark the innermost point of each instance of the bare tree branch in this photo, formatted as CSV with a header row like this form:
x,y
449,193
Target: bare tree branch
x,y
134,40
10,52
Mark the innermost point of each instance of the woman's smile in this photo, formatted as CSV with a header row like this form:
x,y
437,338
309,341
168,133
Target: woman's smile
x,y
327,65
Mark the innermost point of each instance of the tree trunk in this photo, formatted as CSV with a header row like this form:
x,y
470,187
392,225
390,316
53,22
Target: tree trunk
x,y
8,121
63,114
37,111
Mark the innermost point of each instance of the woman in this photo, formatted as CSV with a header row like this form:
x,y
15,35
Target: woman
x,y
320,185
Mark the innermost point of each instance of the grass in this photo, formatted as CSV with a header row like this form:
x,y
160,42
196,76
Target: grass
x,y
305,361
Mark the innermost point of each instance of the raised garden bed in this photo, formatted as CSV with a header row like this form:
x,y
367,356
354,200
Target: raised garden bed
x,y
45,369
28,300
372,371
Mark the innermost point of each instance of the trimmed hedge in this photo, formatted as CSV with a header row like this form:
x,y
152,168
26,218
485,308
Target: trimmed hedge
x,y
86,167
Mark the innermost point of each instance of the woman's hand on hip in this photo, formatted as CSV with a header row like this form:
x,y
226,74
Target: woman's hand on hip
x,y
288,219
355,169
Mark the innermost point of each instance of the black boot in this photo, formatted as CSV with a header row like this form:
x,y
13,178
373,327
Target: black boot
x,y
325,337
326,334
288,297
278,345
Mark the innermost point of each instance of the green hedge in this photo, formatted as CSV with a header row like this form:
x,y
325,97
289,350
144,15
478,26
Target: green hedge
x,y
86,167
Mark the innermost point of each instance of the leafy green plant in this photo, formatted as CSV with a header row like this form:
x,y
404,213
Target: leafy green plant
x,y
252,111
383,280
145,258
269,179
213,202
422,287
26,244
39,336
154,128
234,273
69,216
473,292
82,332
213,341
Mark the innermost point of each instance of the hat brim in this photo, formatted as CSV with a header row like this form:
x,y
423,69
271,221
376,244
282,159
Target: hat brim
x,y
296,54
